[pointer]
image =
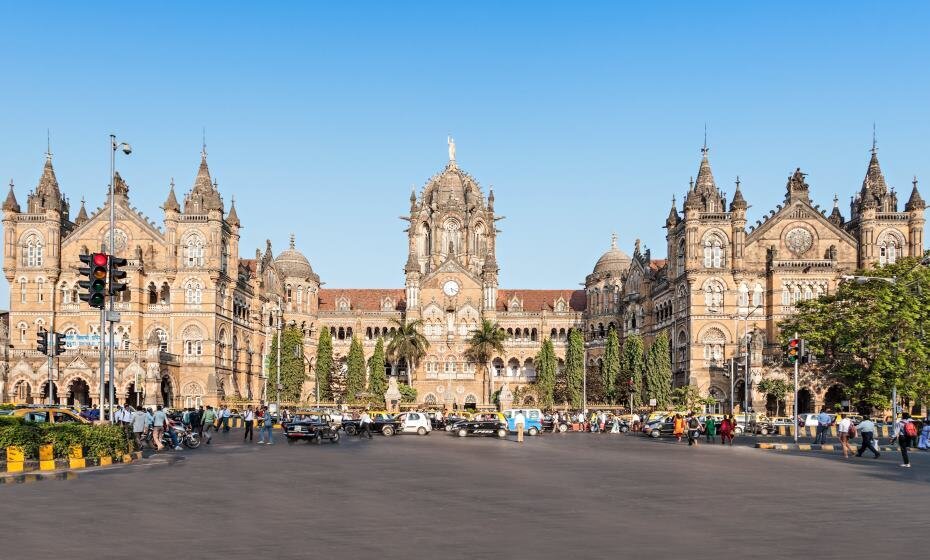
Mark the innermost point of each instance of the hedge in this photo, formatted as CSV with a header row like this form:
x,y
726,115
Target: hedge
x,y
96,440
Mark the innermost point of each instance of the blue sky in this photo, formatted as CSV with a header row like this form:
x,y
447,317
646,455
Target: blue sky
x,y
586,117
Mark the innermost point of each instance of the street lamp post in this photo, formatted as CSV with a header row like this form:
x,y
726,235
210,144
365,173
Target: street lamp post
x,y
109,315
278,385
584,380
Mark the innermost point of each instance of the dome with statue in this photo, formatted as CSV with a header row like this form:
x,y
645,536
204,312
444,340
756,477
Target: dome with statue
x,y
614,262
452,186
291,263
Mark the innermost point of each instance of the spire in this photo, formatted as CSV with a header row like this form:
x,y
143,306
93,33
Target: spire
x,y
874,178
171,203
490,263
835,216
412,264
233,218
46,195
705,179
491,198
738,202
204,195
293,242
10,204
673,218
915,202
82,214
613,240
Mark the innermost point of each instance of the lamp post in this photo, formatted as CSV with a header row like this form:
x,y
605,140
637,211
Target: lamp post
x,y
747,361
278,367
108,316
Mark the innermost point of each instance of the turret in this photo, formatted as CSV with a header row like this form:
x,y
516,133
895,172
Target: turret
x,y
738,226
10,206
915,208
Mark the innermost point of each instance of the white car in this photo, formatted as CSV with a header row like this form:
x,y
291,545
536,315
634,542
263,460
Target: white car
x,y
414,423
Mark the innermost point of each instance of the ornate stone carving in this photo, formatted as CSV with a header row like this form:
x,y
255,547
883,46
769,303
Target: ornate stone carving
x,y
799,240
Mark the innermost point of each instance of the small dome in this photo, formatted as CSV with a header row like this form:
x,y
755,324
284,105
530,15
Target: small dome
x,y
614,261
291,263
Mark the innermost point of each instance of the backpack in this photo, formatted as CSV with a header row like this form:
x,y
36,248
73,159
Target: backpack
x,y
852,430
694,424
910,429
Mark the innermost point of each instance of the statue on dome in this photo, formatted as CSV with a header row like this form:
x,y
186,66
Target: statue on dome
x,y
451,142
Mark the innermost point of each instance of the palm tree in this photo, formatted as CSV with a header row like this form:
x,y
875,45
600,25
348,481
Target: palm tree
x,y
407,343
483,344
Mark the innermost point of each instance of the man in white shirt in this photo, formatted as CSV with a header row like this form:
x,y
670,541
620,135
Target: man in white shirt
x,y
159,419
224,417
249,419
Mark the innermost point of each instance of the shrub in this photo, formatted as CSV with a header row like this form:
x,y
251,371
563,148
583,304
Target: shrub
x,y
95,440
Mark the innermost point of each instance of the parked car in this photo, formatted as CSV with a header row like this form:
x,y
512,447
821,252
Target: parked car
x,y
664,426
759,424
413,423
486,424
532,417
455,418
312,427
48,415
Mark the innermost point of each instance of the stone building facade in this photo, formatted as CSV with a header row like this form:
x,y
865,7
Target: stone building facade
x,y
198,319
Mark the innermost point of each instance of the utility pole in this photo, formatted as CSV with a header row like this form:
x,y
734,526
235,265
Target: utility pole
x,y
732,376
795,419
278,386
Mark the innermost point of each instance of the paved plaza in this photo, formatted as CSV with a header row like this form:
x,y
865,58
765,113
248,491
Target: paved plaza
x,y
555,496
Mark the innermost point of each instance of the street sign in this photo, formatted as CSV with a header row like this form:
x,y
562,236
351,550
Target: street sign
x,y
113,316
653,402
74,340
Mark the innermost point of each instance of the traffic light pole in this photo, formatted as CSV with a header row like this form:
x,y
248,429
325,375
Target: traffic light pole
x,y
52,341
103,362
111,251
795,420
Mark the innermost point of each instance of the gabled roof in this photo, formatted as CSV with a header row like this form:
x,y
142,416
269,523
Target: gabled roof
x,y
362,299
542,300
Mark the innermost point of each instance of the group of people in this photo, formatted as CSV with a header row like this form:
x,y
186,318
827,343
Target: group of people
x,y
693,427
905,434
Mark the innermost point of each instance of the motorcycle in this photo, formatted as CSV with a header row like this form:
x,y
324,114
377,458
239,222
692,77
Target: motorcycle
x,y
188,439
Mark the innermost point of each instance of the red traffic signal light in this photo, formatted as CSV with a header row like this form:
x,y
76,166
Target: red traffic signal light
x,y
96,273
793,349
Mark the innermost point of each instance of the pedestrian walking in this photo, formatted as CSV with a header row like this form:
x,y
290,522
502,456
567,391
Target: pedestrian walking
x,y
823,424
267,426
845,429
924,441
249,420
694,429
710,429
678,426
193,418
199,425
635,420
138,426
726,430
209,423
365,424
224,417
159,420
906,432
867,431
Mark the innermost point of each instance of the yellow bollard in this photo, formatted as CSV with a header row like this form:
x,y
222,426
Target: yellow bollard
x,y
46,457
106,460
519,433
76,457
15,458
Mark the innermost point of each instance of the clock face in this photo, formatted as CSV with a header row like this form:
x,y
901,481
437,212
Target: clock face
x,y
450,288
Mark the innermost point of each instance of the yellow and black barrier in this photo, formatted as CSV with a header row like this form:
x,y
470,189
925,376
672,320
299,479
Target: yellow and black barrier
x,y
16,460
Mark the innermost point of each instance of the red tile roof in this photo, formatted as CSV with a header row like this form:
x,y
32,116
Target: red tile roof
x,y
657,264
249,264
538,300
363,299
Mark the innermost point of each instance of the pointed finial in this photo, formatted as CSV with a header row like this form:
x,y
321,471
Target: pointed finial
x,y
292,241
914,182
673,201
11,182
233,200
874,139
691,184
48,145
737,182
836,200
171,184
613,240
705,149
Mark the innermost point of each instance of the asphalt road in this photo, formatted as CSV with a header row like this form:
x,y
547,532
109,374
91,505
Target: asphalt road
x,y
567,496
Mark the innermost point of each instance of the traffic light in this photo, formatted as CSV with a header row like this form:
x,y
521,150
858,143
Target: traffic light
x,y
793,350
96,283
630,386
42,341
804,353
59,344
116,274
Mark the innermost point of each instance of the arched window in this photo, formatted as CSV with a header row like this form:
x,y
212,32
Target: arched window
x,y
40,290
888,252
164,295
193,251
23,329
680,256
757,295
713,252
65,293
33,251
193,292
450,365
714,341
743,296
808,292
452,237
153,293
224,258
192,337
162,339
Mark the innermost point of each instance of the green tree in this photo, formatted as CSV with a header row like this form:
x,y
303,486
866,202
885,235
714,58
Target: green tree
x,y
777,388
407,393
574,368
611,368
293,374
377,380
546,366
632,364
487,340
324,365
871,335
407,344
659,371
688,398
355,376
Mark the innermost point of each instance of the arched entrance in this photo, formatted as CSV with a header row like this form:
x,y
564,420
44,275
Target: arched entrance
x,y
78,393
833,398
165,391
471,402
134,396
22,392
44,395
805,401
739,396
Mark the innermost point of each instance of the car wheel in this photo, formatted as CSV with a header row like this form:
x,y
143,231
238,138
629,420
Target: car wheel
x,y
502,433
655,433
421,431
351,430
563,428
533,431
335,438
449,428
764,432
737,430
318,440
624,429
388,431
463,432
